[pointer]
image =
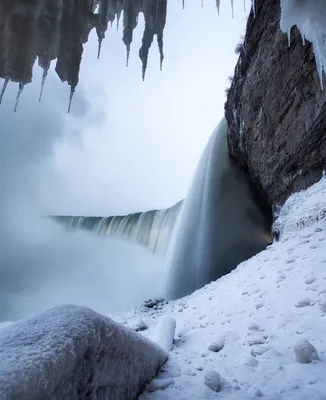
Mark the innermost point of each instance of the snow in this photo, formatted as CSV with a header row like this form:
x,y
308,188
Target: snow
x,y
253,327
310,17
72,352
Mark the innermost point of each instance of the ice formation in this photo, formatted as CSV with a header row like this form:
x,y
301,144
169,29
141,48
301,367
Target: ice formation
x,y
46,31
310,18
165,332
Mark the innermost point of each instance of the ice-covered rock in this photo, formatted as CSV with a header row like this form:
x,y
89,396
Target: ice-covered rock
x,y
305,352
71,353
165,332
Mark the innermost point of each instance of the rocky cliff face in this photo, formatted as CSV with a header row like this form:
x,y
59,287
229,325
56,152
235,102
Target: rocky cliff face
x,y
276,110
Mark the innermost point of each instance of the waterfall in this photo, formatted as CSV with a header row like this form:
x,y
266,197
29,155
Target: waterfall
x,y
204,237
220,223
151,229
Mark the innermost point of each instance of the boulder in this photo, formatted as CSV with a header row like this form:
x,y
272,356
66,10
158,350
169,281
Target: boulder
x,y
72,353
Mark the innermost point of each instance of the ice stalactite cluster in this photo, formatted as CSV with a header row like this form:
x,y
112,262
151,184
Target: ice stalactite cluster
x,y
47,30
310,18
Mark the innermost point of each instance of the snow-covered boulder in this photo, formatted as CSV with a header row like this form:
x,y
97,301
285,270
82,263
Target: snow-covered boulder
x,y
305,352
72,353
213,380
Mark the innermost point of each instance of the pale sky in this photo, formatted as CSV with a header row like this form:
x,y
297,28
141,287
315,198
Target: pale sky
x,y
131,145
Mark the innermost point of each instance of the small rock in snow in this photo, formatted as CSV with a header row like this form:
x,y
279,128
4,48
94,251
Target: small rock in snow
x,y
251,362
310,280
154,302
258,393
216,346
304,303
323,306
254,327
139,325
213,380
305,352
259,351
159,384
258,340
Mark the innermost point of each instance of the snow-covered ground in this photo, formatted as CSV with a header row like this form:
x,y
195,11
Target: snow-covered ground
x,y
238,334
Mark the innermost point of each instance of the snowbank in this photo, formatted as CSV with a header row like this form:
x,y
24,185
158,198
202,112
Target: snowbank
x,y
258,331
72,352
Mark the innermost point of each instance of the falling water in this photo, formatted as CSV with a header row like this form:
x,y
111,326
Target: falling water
x,y
150,229
220,223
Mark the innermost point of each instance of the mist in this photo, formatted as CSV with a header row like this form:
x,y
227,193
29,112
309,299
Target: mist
x,y
42,265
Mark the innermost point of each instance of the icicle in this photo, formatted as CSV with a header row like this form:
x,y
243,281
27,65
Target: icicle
x,y
253,7
303,39
4,87
218,6
143,72
183,4
232,7
244,5
72,91
128,55
321,73
202,3
289,37
99,48
160,47
20,91
45,73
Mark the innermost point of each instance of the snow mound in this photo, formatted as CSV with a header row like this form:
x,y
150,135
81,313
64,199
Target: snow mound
x,y
71,353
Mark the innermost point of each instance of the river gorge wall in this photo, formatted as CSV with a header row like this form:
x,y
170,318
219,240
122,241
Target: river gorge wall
x,y
276,108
